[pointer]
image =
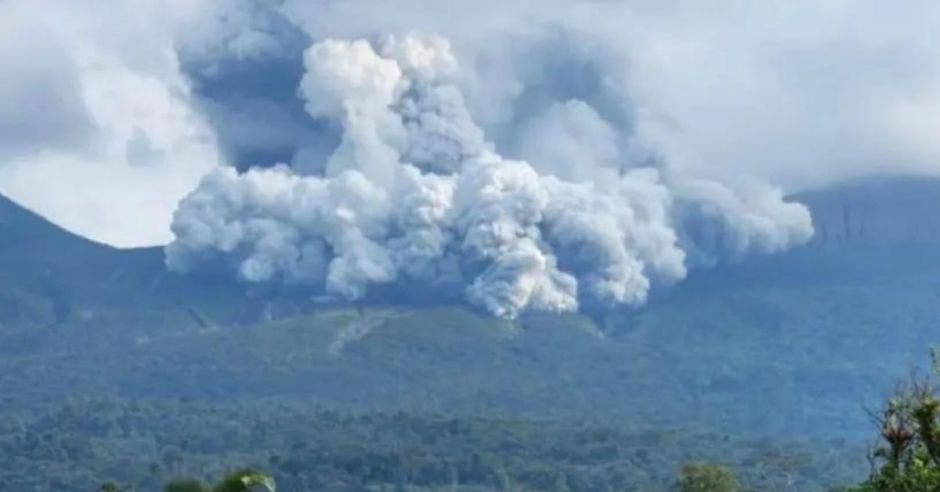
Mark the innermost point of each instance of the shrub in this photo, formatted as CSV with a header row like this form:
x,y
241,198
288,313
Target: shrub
x,y
707,477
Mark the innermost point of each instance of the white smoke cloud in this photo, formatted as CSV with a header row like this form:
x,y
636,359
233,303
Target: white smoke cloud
x,y
213,31
414,197
572,141
800,94
110,109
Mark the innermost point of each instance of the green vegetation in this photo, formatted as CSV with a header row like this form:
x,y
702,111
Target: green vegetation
x,y
186,485
908,458
114,371
337,451
707,477
238,481
142,445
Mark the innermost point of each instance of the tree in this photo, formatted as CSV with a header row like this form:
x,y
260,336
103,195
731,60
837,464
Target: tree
x,y
245,481
707,477
239,481
908,458
186,485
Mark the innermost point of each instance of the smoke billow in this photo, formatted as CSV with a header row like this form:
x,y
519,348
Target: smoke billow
x,y
414,197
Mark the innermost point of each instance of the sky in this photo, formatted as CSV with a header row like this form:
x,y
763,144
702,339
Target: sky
x,y
353,145
104,130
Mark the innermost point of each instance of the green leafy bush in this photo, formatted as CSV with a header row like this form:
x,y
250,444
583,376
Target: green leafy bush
x,y
707,477
908,457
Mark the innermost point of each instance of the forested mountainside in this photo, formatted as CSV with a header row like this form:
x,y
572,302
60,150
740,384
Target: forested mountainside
x,y
780,354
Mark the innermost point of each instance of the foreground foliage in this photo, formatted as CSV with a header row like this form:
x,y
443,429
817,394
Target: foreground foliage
x,y
707,477
908,458
239,481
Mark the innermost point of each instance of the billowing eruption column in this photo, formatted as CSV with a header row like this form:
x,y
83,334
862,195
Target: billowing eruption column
x,y
414,197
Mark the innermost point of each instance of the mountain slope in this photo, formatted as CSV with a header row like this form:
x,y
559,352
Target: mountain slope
x,y
768,345
58,290
789,347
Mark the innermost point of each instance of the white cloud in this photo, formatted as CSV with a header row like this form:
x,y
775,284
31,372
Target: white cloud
x,y
116,143
101,134
797,93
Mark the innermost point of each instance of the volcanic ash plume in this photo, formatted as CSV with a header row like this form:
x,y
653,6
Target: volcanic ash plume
x,y
414,198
